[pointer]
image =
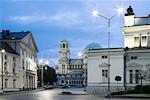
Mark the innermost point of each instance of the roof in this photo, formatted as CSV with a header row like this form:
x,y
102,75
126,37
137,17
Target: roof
x,y
93,45
76,61
4,45
7,35
64,41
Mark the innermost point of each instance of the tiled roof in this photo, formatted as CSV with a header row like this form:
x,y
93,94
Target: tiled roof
x,y
4,45
76,61
7,35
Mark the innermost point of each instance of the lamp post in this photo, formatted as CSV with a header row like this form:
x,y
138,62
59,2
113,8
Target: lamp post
x,y
3,51
108,19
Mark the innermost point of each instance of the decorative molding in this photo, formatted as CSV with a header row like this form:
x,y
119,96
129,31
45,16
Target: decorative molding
x,y
103,65
134,65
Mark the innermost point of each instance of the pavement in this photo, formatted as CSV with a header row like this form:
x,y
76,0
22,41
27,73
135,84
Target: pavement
x,y
75,91
132,96
21,92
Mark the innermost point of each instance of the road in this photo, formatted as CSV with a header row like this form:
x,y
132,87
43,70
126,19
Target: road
x,y
54,95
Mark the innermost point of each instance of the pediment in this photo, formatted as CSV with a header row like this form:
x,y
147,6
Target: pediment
x,y
103,65
134,65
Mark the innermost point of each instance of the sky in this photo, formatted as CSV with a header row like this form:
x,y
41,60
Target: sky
x,y
51,21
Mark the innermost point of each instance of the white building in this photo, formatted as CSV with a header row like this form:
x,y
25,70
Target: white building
x,y
130,63
19,61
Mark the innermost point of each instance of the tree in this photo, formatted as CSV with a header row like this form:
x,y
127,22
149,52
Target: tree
x,y
49,75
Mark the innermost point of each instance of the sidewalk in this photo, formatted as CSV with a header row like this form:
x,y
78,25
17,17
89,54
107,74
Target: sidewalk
x,y
144,96
21,92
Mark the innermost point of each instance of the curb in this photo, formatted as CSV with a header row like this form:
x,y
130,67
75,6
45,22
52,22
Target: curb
x,y
131,97
20,92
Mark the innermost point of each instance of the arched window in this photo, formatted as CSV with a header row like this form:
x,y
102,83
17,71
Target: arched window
x,y
63,45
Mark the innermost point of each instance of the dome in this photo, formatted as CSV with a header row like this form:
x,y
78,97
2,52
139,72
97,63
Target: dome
x,y
93,45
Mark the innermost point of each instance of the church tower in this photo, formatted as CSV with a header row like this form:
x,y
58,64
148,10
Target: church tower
x,y
64,56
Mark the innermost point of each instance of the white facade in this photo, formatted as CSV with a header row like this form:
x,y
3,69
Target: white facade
x,y
131,63
25,62
11,72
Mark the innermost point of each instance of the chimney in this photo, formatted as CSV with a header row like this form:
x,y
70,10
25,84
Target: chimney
x,y
5,34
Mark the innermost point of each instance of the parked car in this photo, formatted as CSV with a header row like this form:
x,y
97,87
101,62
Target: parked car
x,y
65,86
48,87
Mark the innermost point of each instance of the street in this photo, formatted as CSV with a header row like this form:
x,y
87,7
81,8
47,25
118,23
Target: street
x,y
54,95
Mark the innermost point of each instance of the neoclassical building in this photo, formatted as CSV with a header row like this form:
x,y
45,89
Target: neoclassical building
x,y
72,72
131,62
69,71
19,61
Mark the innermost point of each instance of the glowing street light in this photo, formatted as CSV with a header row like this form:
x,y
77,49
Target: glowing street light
x,y
2,51
120,10
79,54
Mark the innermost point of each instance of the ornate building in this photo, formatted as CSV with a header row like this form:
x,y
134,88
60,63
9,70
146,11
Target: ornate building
x,y
19,61
131,62
72,72
69,71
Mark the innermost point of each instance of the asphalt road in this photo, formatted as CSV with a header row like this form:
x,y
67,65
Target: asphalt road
x,y
54,95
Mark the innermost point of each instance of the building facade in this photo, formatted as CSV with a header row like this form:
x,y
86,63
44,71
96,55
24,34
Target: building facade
x,y
20,61
131,62
69,71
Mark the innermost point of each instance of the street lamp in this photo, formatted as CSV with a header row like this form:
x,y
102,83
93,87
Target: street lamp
x,y
108,19
2,52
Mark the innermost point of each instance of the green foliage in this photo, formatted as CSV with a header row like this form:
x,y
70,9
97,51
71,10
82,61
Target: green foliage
x,y
49,75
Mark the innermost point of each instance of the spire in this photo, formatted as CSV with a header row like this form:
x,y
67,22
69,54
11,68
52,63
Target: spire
x,y
129,11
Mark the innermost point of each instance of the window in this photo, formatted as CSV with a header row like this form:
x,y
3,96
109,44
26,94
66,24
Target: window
x,y
63,45
81,66
104,57
5,68
5,57
136,76
23,64
14,59
143,41
13,68
6,83
136,41
130,76
14,83
104,73
133,57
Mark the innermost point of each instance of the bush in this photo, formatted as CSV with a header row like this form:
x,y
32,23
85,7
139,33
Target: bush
x,y
142,89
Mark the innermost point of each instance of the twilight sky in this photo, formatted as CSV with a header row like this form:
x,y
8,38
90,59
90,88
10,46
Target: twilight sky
x,y
51,21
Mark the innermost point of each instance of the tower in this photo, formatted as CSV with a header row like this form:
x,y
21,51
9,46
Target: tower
x,y
64,55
